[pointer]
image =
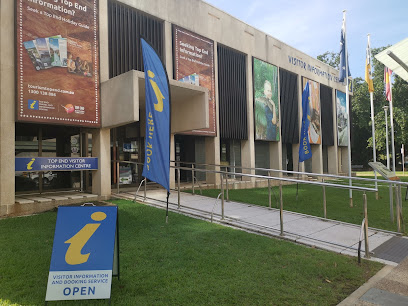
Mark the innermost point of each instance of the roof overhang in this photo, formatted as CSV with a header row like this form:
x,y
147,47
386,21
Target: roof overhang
x,y
123,98
396,58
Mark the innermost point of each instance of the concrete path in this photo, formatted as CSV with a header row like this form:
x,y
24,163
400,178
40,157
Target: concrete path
x,y
316,232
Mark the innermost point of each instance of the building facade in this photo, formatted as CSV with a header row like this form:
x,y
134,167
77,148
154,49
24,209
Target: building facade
x,y
72,86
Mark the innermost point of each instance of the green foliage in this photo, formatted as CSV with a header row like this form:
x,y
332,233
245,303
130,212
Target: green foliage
x,y
361,132
330,58
264,71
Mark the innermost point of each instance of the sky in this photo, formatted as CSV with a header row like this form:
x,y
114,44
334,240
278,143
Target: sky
x,y
313,26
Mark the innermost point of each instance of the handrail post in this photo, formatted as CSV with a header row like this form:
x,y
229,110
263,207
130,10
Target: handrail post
x,y
178,188
222,196
281,207
117,175
400,206
269,191
145,189
324,200
391,204
192,176
367,248
398,209
226,184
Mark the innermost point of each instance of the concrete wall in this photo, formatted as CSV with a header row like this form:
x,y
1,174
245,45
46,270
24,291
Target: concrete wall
x,y
194,15
7,109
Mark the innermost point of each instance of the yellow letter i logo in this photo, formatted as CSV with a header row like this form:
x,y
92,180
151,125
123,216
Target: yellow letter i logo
x,y
78,241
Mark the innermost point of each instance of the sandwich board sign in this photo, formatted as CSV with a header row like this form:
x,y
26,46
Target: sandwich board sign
x,y
384,171
82,260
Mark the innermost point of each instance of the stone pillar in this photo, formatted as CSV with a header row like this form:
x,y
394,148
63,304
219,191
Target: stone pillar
x,y
168,40
7,113
101,178
295,147
332,151
275,148
248,146
212,144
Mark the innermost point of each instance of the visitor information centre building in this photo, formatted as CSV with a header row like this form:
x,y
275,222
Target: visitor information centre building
x,y
73,97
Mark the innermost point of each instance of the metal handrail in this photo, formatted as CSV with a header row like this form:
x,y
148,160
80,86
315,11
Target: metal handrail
x,y
298,172
284,179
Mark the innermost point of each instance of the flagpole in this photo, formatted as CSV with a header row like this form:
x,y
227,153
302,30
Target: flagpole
x,y
392,129
348,111
372,116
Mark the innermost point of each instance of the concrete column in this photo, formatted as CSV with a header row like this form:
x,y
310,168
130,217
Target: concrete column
x,y
168,52
344,160
332,151
275,148
7,113
317,158
248,146
103,41
295,147
101,178
212,144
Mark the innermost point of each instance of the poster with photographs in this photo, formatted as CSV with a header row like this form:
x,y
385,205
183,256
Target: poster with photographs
x,y
342,119
314,110
58,62
266,97
194,64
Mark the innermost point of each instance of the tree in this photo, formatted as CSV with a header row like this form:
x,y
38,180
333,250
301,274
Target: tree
x,y
331,58
362,142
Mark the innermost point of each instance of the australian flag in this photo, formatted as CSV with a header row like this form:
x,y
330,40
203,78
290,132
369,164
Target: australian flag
x,y
343,51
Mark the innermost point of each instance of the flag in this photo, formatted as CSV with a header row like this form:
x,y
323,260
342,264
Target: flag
x,y
304,149
368,74
157,141
343,51
387,81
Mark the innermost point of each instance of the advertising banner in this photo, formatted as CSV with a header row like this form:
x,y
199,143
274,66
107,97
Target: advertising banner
x,y
342,119
58,62
194,64
314,109
83,253
157,148
27,164
266,97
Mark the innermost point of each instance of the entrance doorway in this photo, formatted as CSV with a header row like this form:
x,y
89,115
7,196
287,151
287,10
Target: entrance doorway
x,y
37,140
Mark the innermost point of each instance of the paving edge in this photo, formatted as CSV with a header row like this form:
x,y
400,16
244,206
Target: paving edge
x,y
353,298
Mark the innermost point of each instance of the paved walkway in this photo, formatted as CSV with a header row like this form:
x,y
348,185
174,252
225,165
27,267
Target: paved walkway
x,y
388,287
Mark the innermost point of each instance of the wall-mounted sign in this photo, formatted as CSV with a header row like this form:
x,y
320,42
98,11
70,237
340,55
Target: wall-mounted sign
x,y
342,119
194,64
314,110
58,62
83,253
27,164
266,101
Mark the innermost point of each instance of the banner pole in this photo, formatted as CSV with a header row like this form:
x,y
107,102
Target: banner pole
x,y
297,183
167,207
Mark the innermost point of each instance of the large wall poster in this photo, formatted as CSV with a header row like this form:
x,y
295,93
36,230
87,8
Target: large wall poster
x,y
194,64
58,62
266,101
342,119
314,110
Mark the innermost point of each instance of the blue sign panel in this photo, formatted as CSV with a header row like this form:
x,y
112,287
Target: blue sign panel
x,y
82,254
56,163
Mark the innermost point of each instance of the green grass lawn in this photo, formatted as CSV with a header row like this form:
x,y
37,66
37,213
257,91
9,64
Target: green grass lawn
x,y
184,262
310,202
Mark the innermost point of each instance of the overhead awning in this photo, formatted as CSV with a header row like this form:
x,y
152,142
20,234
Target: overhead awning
x,y
396,58
124,95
